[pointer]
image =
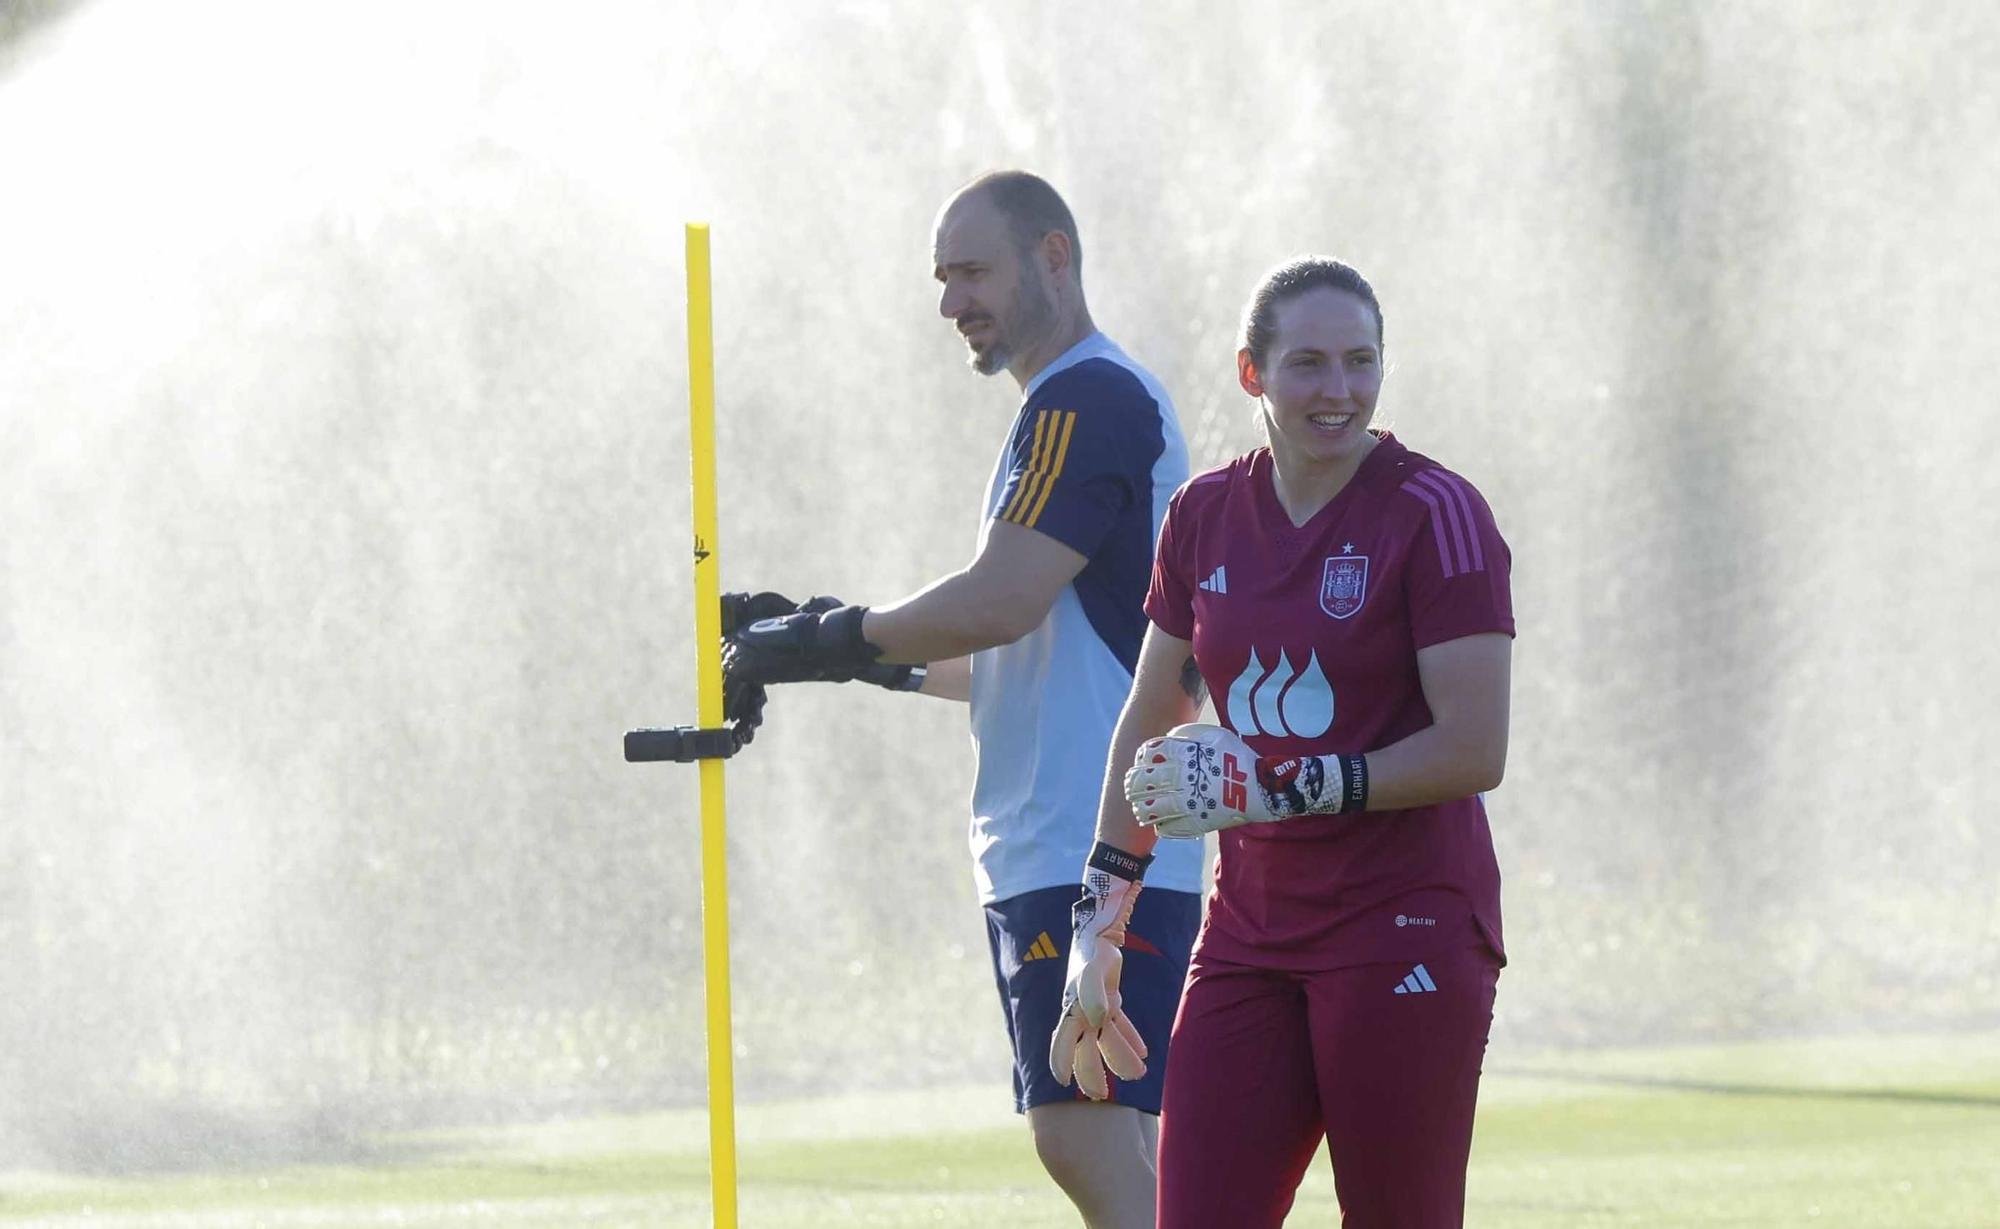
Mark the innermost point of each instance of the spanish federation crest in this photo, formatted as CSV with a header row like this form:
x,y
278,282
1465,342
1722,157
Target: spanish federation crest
x,y
1345,585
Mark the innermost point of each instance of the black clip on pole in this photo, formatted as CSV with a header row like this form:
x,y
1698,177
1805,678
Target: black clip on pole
x,y
683,744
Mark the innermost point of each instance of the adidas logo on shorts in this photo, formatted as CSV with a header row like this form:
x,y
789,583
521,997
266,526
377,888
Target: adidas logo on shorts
x,y
1418,981
1043,948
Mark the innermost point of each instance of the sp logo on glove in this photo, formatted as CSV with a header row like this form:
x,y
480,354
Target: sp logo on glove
x,y
1195,779
1202,778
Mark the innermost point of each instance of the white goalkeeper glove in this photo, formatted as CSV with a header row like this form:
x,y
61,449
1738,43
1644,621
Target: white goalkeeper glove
x,y
1094,1032
1202,778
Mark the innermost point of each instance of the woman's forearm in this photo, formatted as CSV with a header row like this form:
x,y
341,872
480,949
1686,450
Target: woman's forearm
x,y
1157,704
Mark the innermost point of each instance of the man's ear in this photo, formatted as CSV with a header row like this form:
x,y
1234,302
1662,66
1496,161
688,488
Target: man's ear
x,y
1246,374
1056,253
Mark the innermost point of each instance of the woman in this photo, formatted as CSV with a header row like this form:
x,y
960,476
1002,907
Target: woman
x,y
1346,601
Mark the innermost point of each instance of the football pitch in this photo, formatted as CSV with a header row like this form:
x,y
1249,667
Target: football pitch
x,y
1851,1132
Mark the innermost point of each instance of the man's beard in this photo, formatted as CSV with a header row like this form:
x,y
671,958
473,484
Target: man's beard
x,y
1032,317
993,358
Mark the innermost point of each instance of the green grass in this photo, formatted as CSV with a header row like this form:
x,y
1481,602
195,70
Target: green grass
x,y
1850,1133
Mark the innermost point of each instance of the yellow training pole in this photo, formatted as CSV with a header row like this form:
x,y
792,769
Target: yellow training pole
x,y
708,701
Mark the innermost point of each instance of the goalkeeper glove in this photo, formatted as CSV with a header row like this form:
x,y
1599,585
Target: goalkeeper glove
x,y
1094,1032
755,659
1203,778
743,701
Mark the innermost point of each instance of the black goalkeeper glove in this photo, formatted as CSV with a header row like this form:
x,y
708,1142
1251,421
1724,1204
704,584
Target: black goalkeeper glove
x,y
767,638
804,647
743,701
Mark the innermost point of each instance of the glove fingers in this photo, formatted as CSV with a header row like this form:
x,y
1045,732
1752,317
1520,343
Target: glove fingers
x,y
1155,788
1150,777
1155,809
742,701
766,651
1097,989
1063,1046
1090,1070
742,609
1151,780
1115,1046
1130,1032
1137,785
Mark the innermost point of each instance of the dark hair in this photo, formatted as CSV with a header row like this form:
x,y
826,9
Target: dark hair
x,y
1287,282
1032,209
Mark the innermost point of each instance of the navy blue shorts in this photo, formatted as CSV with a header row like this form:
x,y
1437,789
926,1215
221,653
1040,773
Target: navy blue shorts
x,y
1029,937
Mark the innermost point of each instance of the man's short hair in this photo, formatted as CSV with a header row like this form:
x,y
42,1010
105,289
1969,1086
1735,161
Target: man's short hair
x,y
1032,209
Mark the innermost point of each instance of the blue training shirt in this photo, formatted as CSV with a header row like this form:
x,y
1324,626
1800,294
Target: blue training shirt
x,y
1092,460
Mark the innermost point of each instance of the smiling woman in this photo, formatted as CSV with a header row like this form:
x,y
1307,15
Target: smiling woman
x,y
1356,864
1312,355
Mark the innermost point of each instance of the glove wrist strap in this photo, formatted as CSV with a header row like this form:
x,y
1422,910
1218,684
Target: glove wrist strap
x,y
1314,785
1353,781
1110,888
1114,861
848,644
894,678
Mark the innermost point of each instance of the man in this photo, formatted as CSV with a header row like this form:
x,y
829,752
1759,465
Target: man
x,y
1040,633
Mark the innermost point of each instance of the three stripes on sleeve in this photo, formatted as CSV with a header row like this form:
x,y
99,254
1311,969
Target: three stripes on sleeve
x,y
1460,552
1045,463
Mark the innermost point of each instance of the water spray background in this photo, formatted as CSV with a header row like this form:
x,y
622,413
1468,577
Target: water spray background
x,y
343,476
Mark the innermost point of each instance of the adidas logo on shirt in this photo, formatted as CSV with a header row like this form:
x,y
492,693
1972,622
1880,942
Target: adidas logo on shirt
x,y
1217,581
1417,982
1043,948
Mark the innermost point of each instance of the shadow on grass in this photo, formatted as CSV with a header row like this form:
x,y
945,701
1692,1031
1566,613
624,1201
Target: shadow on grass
x,y
169,1139
1902,1096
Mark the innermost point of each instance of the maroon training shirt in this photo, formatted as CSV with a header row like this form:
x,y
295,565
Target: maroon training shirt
x,y
1307,638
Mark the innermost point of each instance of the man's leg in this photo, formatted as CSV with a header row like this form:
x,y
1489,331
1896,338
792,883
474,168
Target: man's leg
x,y
1102,1156
1107,1162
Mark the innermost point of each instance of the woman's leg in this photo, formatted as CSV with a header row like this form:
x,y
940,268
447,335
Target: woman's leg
x,y
1398,1050
1241,1118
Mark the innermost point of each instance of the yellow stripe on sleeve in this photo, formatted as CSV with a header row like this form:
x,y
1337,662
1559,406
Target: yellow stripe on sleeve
x,y
1055,470
1034,461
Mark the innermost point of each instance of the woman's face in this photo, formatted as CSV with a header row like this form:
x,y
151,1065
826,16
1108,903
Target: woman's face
x,y
1320,380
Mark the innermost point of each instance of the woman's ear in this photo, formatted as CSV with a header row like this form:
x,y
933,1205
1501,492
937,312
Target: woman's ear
x,y
1246,374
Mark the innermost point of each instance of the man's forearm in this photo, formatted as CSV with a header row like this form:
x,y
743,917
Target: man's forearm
x,y
950,679
957,615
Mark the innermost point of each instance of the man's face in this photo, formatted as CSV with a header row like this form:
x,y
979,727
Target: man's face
x,y
990,289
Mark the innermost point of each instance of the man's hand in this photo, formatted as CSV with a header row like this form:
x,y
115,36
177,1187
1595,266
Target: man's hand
x,y
742,700
1094,1032
773,640
806,646
743,707
1201,778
